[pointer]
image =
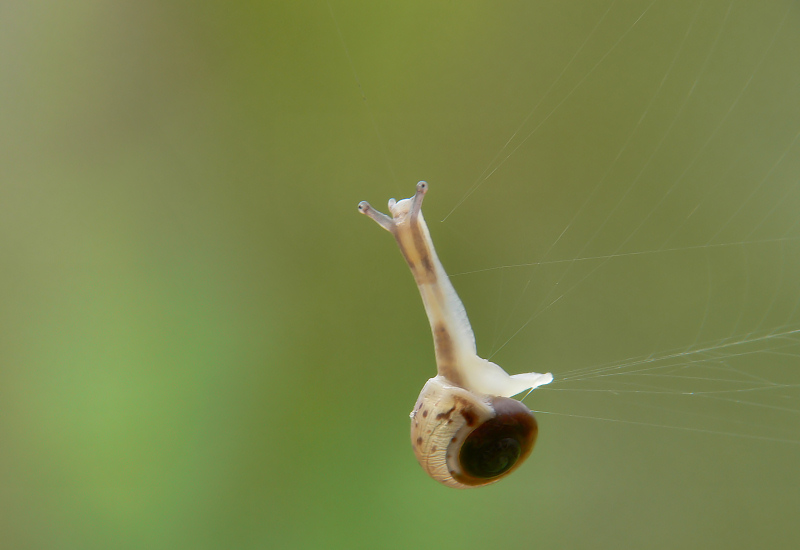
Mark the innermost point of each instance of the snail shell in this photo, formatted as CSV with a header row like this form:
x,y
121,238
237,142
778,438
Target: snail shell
x,y
466,440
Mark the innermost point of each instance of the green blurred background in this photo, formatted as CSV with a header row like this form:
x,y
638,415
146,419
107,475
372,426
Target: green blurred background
x,y
204,346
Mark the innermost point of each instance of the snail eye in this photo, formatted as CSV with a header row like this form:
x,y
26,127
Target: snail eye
x,y
500,443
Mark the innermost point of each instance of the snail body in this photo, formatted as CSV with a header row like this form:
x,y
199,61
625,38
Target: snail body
x,y
466,431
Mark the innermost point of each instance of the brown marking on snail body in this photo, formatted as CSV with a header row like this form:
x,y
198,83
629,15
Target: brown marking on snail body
x,y
444,343
445,354
421,246
417,253
429,270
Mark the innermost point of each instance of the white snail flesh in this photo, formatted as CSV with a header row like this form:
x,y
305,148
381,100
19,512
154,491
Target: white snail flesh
x,y
466,430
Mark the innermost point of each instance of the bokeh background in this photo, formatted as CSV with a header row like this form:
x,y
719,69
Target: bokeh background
x,y
202,345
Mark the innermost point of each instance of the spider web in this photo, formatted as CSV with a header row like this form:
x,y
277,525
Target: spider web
x,y
668,294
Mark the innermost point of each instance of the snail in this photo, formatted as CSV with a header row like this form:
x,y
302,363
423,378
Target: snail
x,y
466,430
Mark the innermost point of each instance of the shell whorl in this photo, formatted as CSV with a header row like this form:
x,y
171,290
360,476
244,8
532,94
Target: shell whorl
x,y
466,440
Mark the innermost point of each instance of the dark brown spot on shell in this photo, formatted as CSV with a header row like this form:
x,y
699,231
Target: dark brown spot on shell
x,y
445,414
453,439
425,413
433,449
469,416
419,441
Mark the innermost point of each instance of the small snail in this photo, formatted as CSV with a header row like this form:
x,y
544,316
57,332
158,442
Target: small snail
x,y
466,430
